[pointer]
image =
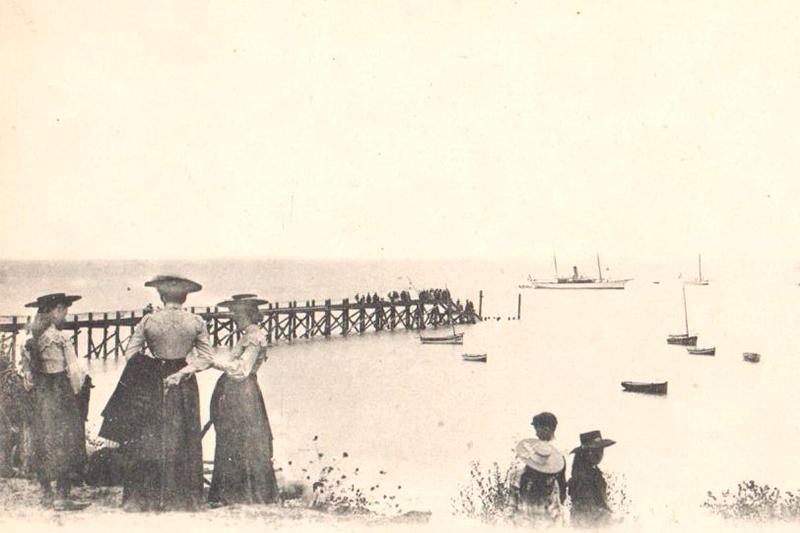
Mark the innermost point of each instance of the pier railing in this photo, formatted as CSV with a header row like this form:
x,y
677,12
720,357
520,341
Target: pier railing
x,y
104,334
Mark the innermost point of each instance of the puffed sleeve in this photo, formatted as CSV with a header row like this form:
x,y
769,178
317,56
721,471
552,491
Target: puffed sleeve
x,y
76,369
137,341
252,346
202,357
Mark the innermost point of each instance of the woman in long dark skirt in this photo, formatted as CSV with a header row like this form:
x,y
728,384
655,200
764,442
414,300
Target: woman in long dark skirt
x,y
52,370
243,471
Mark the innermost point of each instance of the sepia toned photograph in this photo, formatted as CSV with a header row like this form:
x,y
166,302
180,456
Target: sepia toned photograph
x,y
399,266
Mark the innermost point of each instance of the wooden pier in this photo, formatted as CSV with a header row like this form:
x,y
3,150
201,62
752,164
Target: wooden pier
x,y
100,335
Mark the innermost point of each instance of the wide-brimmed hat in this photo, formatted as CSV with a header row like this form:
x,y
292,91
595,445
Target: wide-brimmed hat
x,y
592,440
174,284
243,296
242,303
540,456
52,300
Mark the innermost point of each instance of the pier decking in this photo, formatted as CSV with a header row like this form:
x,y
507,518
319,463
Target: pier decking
x,y
100,335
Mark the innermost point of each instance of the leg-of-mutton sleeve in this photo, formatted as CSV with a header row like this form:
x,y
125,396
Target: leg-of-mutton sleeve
x,y
247,355
242,366
76,369
202,356
137,341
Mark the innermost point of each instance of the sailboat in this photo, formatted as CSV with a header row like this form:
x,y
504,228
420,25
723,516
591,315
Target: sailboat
x,y
699,280
683,339
454,338
576,281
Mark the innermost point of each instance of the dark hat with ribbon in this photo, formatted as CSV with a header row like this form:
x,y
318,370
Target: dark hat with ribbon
x,y
173,284
593,440
51,300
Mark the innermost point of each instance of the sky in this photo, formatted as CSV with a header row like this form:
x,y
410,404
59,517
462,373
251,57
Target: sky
x,y
380,130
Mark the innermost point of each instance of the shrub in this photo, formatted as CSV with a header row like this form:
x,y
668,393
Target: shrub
x,y
754,502
617,495
486,496
338,487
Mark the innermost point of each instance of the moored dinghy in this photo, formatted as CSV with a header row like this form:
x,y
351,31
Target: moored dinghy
x,y
702,351
457,338
454,338
476,357
751,357
645,388
682,340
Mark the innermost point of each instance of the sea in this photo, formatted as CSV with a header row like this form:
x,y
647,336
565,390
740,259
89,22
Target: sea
x,y
407,420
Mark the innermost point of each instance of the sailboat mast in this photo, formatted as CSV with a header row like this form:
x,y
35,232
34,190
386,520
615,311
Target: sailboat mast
x,y
599,270
699,267
685,314
555,265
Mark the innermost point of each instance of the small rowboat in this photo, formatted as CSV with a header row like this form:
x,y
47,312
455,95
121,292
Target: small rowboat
x,y
646,388
476,357
702,351
457,338
682,339
751,357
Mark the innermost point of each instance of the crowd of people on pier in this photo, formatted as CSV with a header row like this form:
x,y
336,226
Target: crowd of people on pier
x,y
424,296
537,482
368,298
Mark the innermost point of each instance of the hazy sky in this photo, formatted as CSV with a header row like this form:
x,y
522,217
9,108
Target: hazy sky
x,y
414,129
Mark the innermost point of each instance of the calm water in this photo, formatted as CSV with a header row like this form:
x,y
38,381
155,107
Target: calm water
x,y
421,414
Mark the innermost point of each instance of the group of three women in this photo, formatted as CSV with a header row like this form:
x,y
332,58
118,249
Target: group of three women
x,y
154,411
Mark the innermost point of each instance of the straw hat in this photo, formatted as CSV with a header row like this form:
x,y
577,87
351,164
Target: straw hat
x,y
592,440
242,303
540,456
52,300
173,284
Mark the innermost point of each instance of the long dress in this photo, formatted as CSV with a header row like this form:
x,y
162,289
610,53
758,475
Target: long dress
x,y
59,441
243,471
158,427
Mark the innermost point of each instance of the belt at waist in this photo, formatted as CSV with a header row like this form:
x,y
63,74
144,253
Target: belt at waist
x,y
170,365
